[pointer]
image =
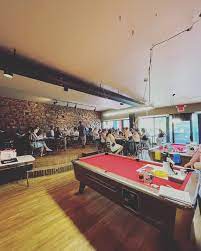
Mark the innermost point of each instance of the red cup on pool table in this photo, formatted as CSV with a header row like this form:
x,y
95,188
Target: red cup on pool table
x,y
141,176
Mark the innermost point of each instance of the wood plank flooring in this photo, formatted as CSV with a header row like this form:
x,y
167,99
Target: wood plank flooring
x,y
61,158
50,216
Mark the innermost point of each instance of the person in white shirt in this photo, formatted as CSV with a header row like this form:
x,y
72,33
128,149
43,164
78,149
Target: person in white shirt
x,y
127,134
51,133
68,131
136,136
96,137
111,143
37,141
75,132
160,138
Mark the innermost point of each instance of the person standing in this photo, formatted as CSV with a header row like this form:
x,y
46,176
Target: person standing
x,y
96,138
128,144
160,138
82,133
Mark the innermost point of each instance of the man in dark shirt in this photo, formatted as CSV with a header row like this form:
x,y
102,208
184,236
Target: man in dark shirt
x,y
82,133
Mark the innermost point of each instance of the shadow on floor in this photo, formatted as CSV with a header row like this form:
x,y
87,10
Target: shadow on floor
x,y
106,225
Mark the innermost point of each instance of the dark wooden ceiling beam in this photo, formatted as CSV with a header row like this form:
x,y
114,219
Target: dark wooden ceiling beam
x,y
26,67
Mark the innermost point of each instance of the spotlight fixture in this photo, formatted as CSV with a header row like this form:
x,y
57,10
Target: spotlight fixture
x,y
8,74
173,94
121,103
65,88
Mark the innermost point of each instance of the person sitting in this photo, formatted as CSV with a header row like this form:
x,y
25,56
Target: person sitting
x,y
75,132
195,162
144,135
145,138
57,133
51,132
111,143
41,134
160,138
121,135
127,134
116,133
74,136
20,141
67,132
50,137
37,142
60,139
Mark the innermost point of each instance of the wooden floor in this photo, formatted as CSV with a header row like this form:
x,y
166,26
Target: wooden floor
x,y
61,158
49,215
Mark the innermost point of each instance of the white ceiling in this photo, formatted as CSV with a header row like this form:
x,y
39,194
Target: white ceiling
x,y
87,38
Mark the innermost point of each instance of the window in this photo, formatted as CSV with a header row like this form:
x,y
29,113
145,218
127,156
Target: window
x,y
195,127
126,123
108,124
152,126
116,124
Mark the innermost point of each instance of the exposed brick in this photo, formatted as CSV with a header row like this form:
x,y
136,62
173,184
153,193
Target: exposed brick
x,y
14,113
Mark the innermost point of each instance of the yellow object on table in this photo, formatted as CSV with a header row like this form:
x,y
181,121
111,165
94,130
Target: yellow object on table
x,y
160,174
157,155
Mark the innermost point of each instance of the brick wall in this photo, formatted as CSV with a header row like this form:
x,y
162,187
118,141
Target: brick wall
x,y
14,113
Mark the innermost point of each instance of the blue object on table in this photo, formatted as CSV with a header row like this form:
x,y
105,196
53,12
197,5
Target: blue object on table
x,y
177,158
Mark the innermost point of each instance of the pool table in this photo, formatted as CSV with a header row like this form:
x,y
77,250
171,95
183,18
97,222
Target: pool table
x,y
117,178
182,149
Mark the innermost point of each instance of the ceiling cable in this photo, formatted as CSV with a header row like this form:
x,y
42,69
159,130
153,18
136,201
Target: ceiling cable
x,y
162,42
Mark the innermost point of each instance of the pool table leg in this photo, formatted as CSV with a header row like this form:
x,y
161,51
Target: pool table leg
x,y
81,188
183,222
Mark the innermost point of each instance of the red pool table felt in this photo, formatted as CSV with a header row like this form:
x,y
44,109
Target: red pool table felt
x,y
126,167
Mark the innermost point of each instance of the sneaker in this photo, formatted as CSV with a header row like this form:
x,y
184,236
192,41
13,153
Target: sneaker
x,y
49,150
